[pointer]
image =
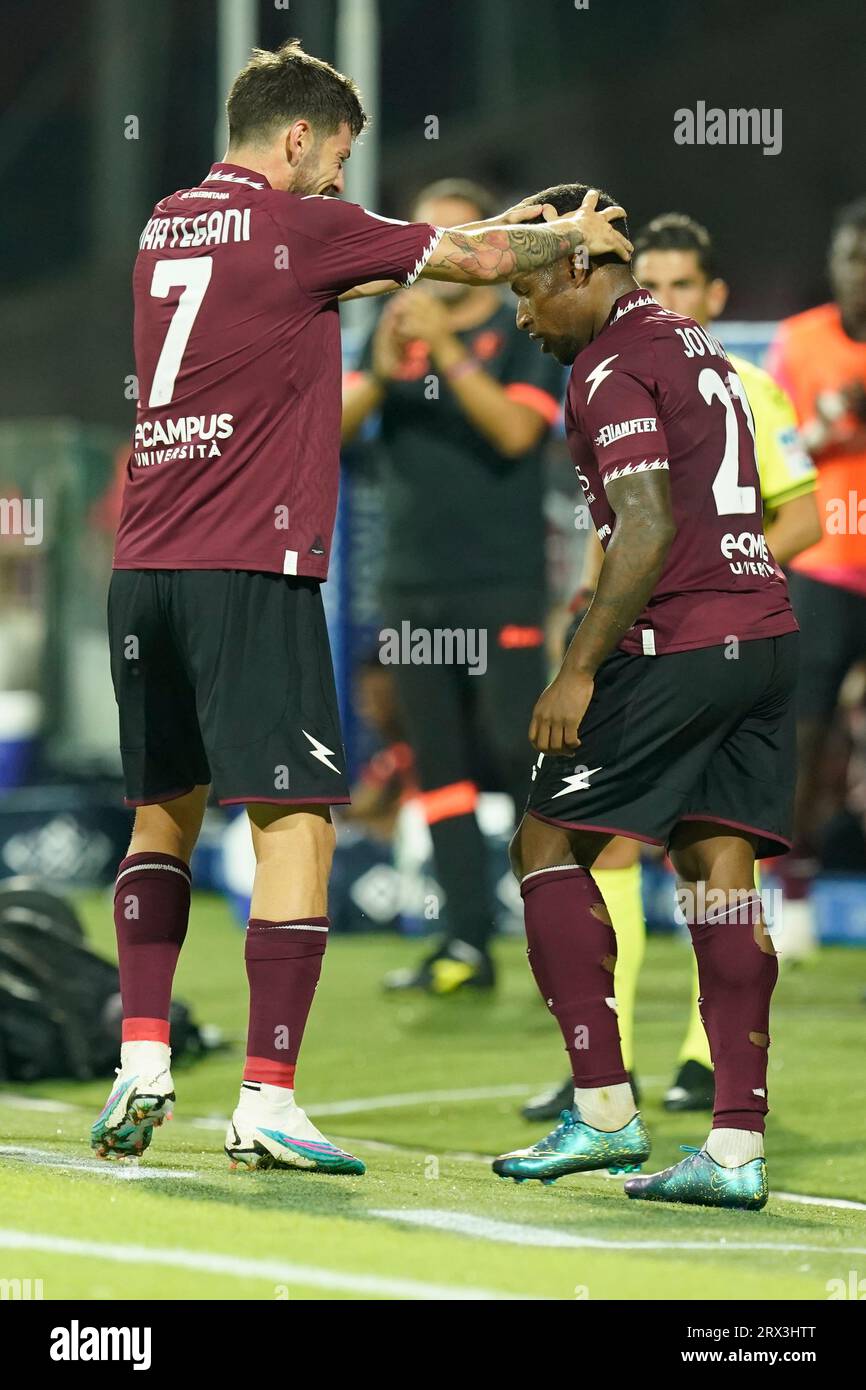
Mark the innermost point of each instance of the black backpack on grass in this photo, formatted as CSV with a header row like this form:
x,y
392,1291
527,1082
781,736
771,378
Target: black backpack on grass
x,y
60,1011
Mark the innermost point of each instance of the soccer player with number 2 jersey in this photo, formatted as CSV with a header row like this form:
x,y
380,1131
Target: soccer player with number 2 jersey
x,y
219,650
670,721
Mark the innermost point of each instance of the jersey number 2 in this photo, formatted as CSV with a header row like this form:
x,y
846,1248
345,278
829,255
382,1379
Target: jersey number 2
x,y
729,496
195,278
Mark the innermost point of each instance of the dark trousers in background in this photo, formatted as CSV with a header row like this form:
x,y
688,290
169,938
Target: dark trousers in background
x,y
470,732
833,627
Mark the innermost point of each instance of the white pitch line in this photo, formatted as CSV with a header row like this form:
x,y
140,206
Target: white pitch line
x,y
514,1233
362,1104
126,1170
16,1102
357,1105
841,1203
239,1267
408,1098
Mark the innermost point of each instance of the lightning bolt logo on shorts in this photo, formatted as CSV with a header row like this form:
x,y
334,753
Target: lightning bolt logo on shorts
x,y
320,752
599,374
577,782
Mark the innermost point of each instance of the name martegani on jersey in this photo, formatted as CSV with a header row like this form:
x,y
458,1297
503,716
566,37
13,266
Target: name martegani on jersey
x,y
213,228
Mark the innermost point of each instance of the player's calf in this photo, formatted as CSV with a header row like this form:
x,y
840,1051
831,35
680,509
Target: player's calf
x,y
151,911
284,957
572,953
737,970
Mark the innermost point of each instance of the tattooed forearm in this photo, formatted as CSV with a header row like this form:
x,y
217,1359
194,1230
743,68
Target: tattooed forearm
x,y
500,253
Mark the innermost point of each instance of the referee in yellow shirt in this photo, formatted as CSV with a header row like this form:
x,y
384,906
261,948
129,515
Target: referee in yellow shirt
x,y
674,261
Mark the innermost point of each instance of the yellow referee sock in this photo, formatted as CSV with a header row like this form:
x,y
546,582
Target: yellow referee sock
x,y
695,1047
620,889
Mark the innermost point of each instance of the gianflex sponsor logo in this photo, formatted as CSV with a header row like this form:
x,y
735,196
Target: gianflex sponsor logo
x,y
621,429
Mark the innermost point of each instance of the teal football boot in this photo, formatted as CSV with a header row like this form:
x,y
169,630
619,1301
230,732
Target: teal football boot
x,y
575,1147
700,1181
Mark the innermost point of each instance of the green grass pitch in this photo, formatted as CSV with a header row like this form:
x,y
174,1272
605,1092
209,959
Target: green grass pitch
x,y
429,1220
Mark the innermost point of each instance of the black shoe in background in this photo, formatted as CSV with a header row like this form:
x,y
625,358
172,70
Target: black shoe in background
x,y
693,1088
454,966
549,1104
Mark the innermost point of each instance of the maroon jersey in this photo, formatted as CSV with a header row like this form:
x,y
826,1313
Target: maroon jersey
x,y
655,391
235,457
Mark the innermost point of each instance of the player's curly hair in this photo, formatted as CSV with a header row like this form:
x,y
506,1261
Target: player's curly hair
x,y
275,88
567,197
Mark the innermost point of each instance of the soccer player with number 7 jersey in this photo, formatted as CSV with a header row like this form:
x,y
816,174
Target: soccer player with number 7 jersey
x,y
219,649
670,721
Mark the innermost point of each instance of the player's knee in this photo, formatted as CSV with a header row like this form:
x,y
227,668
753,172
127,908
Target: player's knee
x,y
294,837
170,827
619,853
536,846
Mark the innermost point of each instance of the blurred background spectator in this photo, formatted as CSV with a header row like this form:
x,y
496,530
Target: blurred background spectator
x,y
465,401
819,357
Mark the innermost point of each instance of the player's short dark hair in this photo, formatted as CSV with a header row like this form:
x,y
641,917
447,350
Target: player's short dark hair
x,y
567,197
674,231
467,190
852,215
275,88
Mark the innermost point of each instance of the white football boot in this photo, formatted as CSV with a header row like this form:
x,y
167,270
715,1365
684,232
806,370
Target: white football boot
x,y
268,1130
141,1098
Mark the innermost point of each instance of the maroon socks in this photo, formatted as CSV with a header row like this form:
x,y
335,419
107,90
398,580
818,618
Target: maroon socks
x,y
572,952
151,912
737,979
284,961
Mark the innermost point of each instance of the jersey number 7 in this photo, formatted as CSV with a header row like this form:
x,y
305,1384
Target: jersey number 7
x,y
195,278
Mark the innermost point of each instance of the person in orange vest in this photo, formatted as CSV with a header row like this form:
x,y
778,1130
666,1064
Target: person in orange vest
x,y
819,358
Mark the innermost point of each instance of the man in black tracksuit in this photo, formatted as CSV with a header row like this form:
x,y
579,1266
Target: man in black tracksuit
x,y
465,402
